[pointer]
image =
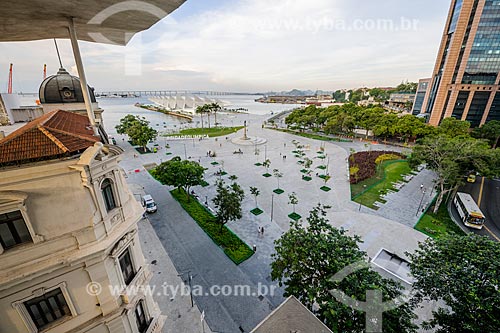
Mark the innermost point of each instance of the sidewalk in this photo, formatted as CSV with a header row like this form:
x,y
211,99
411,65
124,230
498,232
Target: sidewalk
x,y
408,204
181,317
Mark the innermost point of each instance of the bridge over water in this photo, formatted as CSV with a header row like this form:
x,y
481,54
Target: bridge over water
x,y
169,93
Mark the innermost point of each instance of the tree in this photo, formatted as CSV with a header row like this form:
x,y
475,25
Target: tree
x,y
179,173
406,87
451,159
464,272
126,123
489,131
380,95
410,126
215,107
306,259
267,164
228,203
255,192
454,127
200,109
278,175
386,126
293,200
308,163
141,134
137,129
368,118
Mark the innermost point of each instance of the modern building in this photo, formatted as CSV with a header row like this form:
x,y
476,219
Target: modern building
x,y
400,102
421,96
465,81
68,232
12,111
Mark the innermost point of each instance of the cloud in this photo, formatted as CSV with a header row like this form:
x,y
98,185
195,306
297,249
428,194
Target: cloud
x,y
255,45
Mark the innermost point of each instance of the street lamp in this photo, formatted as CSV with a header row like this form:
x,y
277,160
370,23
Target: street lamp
x,y
272,207
422,200
364,189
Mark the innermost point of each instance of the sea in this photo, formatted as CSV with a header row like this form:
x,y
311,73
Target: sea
x,y
117,108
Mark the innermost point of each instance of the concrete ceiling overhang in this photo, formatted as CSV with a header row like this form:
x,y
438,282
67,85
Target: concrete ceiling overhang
x,y
101,21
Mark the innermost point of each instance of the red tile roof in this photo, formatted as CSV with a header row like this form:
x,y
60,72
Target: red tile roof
x,y
53,135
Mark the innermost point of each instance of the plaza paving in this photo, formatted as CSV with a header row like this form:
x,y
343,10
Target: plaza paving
x,y
191,249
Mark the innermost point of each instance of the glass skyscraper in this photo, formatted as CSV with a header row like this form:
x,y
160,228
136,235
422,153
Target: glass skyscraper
x,y
465,81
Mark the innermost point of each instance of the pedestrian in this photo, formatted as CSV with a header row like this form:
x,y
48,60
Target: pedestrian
x,y
254,248
284,145
422,187
262,230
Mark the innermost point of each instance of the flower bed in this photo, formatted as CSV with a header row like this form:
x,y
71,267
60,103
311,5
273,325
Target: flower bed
x,y
363,165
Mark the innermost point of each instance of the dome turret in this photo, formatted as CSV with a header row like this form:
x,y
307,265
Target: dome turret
x,y
62,88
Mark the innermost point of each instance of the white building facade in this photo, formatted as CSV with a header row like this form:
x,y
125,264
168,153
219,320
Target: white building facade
x,y
70,256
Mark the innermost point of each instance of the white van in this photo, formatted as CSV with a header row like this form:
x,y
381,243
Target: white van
x,y
149,204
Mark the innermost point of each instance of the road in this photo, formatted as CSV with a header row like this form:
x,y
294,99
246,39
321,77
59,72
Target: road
x,y
487,195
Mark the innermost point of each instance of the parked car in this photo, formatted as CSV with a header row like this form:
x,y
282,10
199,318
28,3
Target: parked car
x,y
149,204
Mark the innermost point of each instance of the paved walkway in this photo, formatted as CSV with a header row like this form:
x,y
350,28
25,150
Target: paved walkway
x,y
181,317
192,250
408,204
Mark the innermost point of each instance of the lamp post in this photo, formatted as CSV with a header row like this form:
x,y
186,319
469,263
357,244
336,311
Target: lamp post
x,y
364,189
190,277
272,207
422,200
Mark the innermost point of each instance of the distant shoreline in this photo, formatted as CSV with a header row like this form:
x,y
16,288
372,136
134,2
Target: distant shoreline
x,y
170,113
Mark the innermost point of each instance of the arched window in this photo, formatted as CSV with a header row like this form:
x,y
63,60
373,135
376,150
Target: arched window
x,y
107,193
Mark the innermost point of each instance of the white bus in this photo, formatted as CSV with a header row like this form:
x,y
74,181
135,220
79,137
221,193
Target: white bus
x,y
470,213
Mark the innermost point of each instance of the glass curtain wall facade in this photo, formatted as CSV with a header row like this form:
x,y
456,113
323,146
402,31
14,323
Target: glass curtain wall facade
x,y
465,82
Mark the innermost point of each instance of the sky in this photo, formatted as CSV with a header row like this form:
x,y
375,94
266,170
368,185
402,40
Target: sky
x,y
254,46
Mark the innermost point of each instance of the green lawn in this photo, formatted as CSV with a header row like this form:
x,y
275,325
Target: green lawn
x,y
232,245
211,132
377,186
437,225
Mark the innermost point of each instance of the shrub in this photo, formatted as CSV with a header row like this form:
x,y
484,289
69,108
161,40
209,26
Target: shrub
x,y
366,164
387,157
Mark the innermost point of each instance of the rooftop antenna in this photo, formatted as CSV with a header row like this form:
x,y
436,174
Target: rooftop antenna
x,y
58,54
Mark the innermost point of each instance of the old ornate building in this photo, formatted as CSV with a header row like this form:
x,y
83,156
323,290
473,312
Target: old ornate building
x,y
69,251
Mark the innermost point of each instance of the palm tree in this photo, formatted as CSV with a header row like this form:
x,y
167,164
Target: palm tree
x,y
200,109
207,109
215,107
